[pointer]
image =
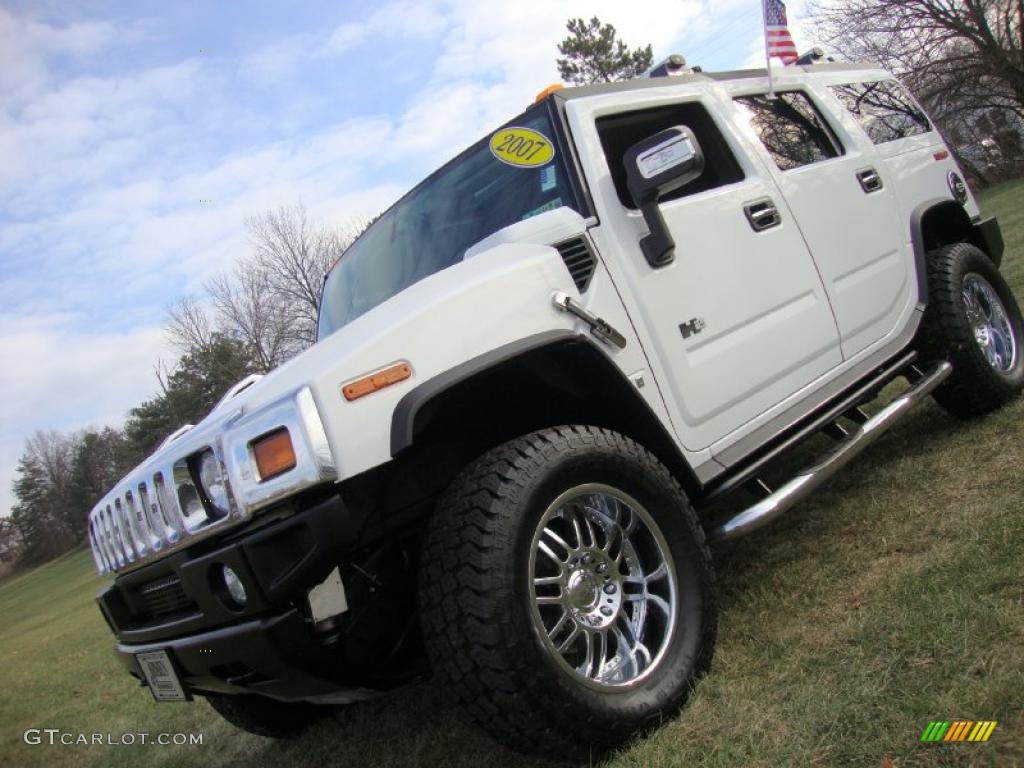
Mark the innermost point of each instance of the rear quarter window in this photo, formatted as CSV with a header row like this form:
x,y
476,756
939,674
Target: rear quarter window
x,y
885,110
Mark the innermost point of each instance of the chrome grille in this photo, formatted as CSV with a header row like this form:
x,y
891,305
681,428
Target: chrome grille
x,y
158,508
141,520
579,260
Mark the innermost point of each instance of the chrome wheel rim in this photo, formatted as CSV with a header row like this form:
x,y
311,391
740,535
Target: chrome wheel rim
x,y
990,323
603,587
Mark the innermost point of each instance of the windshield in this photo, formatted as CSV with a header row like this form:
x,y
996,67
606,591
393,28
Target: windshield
x,y
429,229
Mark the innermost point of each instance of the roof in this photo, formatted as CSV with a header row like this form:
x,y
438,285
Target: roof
x,y
599,89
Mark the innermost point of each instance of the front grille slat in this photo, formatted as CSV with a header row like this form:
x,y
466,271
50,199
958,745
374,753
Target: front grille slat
x,y
579,260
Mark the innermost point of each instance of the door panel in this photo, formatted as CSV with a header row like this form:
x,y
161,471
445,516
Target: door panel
x,y
846,209
739,320
857,241
767,329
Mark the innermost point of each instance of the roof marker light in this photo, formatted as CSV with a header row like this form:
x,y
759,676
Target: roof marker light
x,y
547,92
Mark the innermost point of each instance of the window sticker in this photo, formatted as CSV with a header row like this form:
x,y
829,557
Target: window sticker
x,y
548,206
522,147
547,179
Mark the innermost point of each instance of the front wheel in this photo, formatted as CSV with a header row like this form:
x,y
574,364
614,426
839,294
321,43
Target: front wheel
x,y
973,320
567,591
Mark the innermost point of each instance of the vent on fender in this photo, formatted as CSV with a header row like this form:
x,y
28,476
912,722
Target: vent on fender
x,y
579,260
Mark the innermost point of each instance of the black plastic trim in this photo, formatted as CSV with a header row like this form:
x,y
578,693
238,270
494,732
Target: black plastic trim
x,y
275,563
403,420
989,237
276,656
920,249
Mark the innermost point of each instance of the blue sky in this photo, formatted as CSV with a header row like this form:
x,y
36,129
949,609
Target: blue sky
x,y
118,119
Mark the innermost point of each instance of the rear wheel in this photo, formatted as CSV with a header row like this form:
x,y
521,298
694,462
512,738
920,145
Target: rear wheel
x,y
267,717
973,320
566,591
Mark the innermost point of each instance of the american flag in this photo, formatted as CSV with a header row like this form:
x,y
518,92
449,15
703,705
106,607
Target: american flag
x,y
776,31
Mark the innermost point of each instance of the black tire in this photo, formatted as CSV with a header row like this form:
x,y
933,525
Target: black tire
x,y
975,386
267,717
476,594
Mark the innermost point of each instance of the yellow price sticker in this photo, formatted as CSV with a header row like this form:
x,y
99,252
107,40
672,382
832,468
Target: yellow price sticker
x,y
522,147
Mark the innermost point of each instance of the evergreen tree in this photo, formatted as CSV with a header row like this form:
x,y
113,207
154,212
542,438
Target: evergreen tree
x,y
593,54
190,390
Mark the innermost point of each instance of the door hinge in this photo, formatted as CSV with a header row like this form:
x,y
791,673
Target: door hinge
x,y
600,328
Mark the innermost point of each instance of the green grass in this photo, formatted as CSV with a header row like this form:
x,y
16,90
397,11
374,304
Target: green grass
x,y
891,599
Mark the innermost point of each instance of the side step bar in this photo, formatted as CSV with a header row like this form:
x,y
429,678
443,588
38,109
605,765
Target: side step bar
x,y
810,479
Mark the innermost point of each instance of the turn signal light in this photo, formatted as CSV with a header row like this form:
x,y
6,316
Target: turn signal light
x,y
376,381
274,453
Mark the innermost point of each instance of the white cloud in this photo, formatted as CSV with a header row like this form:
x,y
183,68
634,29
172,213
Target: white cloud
x,y
58,376
101,176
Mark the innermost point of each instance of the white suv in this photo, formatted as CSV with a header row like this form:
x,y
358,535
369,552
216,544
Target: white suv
x,y
532,373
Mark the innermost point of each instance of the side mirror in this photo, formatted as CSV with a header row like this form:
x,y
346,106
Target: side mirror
x,y
655,167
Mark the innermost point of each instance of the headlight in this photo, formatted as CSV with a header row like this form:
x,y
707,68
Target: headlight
x,y
211,481
192,510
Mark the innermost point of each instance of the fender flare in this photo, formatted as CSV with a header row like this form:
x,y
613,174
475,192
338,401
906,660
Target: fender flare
x,y
642,424
984,233
403,419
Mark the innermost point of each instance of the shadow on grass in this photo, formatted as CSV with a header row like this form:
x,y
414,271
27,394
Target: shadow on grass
x,y
420,725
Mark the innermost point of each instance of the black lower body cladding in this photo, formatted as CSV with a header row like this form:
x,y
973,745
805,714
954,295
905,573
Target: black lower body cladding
x,y
269,645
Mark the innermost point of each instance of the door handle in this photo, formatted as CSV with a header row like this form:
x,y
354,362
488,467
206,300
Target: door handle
x,y
869,180
762,215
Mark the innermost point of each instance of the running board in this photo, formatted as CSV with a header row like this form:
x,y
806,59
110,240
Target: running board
x,y
810,479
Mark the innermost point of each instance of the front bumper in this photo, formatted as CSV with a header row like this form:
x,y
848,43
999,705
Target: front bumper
x,y
276,656
270,645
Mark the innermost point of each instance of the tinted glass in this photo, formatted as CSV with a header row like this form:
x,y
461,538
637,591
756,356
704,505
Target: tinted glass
x,y
790,127
430,229
884,109
620,132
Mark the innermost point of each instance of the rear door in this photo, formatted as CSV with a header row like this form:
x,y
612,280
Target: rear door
x,y
843,197
739,321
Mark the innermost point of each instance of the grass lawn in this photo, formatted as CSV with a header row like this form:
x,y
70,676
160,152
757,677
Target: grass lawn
x,y
891,599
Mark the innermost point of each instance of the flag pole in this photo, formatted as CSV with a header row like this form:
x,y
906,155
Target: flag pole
x,y
767,54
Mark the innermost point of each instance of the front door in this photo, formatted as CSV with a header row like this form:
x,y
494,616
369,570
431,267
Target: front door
x,y
739,321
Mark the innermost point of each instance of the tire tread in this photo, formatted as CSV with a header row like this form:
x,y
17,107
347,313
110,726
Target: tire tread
x,y
466,642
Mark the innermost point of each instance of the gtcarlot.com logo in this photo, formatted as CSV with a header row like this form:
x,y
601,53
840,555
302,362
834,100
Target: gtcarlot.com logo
x,y
55,737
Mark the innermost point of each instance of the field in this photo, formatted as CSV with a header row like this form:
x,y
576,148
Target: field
x,y
891,599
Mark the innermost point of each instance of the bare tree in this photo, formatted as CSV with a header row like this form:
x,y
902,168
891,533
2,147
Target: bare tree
x,y
188,326
953,40
964,59
249,309
293,257
270,300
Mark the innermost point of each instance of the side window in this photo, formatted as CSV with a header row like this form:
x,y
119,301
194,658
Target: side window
x,y
620,132
791,128
884,110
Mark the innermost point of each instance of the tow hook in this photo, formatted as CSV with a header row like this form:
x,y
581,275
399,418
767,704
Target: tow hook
x,y
599,327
